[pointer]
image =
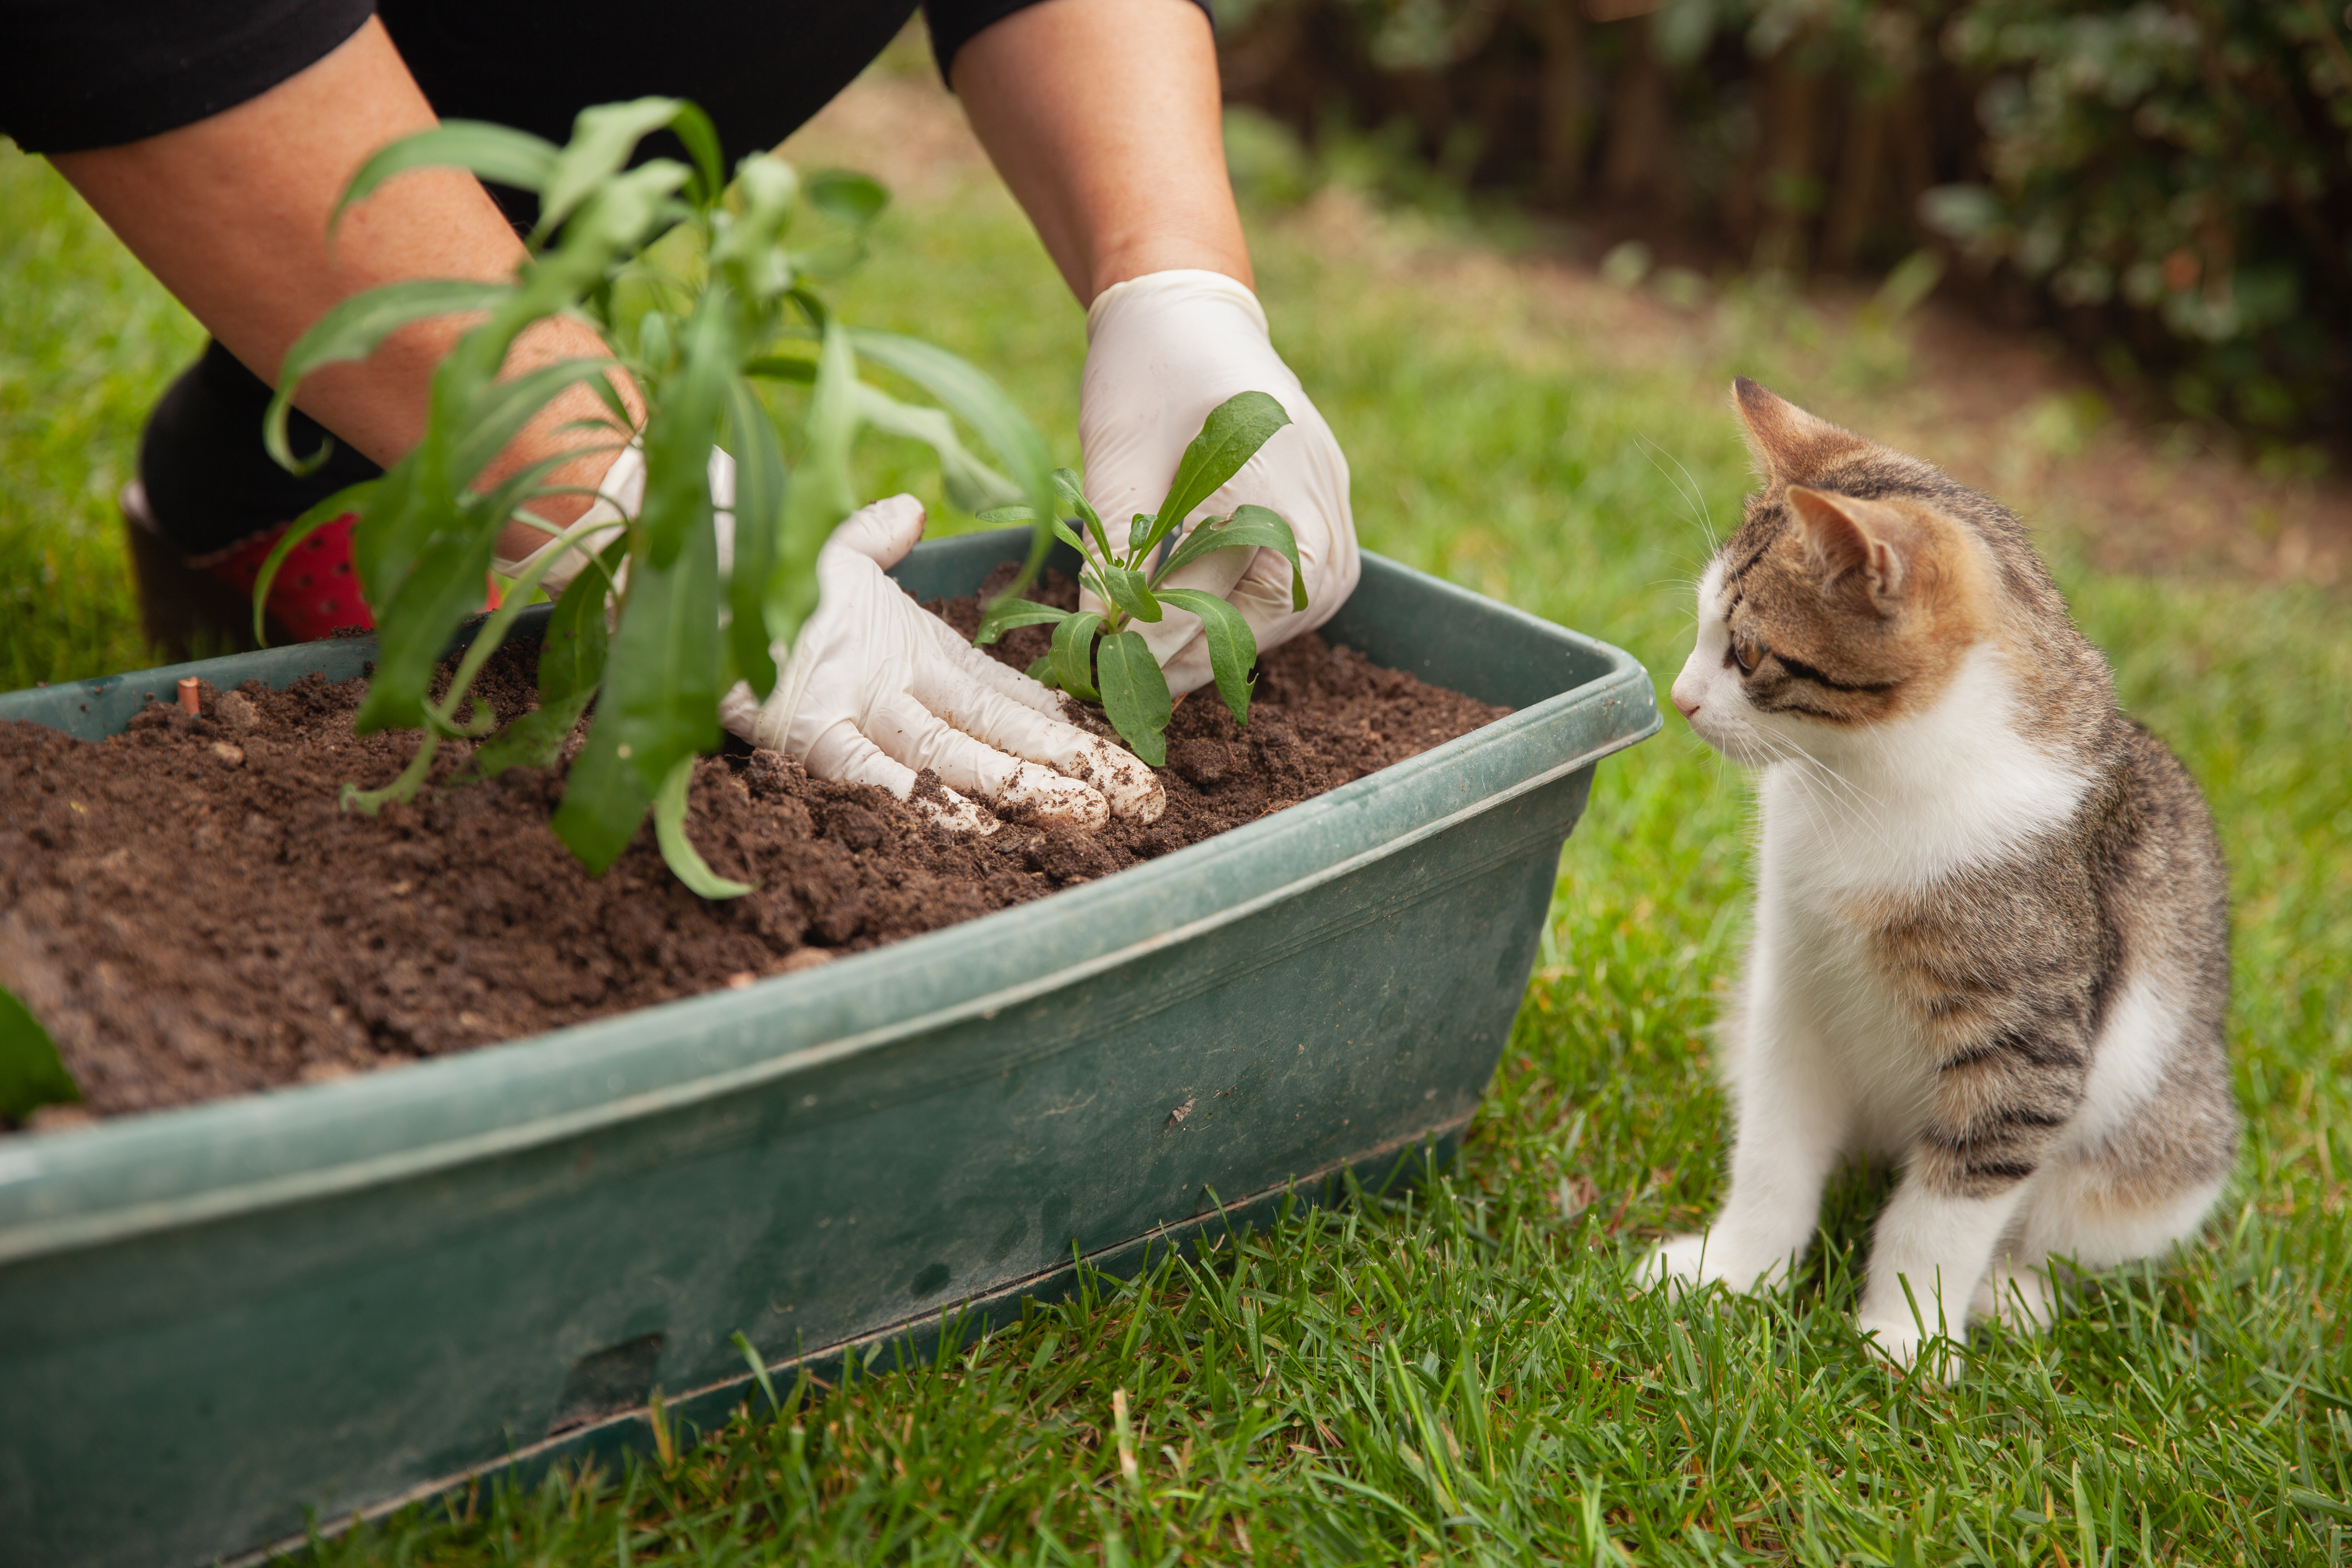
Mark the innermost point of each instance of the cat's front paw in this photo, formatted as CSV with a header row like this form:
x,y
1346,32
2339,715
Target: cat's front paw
x,y
1686,1262
2019,1296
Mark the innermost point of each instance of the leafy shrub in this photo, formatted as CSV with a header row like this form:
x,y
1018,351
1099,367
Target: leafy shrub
x,y
692,321
2185,164
2168,177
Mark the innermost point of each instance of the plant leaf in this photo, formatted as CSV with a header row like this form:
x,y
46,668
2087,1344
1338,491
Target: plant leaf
x,y
353,329
1006,613
669,828
535,740
848,195
604,801
498,153
1233,646
1127,587
603,137
761,482
498,412
1229,438
1067,483
1073,655
1041,670
572,649
350,498
683,427
781,367
1250,526
971,485
980,403
32,1074
821,493
1134,695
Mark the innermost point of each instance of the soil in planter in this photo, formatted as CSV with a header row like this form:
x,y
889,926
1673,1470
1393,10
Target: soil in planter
x,y
190,913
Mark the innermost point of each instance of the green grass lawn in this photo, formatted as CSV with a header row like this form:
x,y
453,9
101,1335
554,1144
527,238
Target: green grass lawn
x,y
1463,1373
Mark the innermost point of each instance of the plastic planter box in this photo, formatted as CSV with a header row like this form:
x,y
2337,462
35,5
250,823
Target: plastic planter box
x,y
332,1298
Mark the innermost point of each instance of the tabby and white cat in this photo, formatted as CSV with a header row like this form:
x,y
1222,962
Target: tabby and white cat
x,y
1992,935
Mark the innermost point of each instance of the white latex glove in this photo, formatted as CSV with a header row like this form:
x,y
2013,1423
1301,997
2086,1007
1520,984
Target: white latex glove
x,y
1162,351
878,687
618,495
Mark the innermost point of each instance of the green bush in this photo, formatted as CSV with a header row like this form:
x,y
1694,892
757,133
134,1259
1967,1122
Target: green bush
x,y
2181,169
2167,181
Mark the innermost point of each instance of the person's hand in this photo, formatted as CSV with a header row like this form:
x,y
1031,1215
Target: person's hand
x,y
877,688
1162,351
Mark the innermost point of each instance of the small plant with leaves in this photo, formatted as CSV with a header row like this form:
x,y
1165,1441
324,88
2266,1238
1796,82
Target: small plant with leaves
x,y
697,289
1097,656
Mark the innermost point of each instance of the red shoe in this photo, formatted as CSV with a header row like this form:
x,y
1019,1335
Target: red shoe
x,y
316,592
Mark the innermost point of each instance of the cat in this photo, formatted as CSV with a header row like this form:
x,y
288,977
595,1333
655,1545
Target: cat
x,y
1992,929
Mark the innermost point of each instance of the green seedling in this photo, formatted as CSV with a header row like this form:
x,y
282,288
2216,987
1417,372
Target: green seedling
x,y
699,288
1096,657
32,1074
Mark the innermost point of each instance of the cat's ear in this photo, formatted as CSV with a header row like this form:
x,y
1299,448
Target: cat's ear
x,y
1867,541
1790,444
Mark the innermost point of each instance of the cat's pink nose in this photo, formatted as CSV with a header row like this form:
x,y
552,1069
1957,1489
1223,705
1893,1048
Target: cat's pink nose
x,y
1686,706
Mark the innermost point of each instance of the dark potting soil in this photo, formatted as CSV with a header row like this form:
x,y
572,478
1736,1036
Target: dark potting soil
x,y
190,913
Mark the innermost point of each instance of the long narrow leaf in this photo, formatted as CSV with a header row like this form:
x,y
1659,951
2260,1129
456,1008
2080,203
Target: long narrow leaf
x,y
1127,588
1073,655
500,410
980,403
1006,613
1233,646
571,663
670,829
603,137
1251,527
821,492
353,329
760,483
32,1073
971,485
1229,438
680,433
1067,484
498,153
1134,695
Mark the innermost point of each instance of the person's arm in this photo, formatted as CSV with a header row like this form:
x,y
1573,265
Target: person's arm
x,y
1105,118
230,213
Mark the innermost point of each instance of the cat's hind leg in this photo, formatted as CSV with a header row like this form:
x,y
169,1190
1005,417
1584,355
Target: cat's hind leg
x,y
2141,1165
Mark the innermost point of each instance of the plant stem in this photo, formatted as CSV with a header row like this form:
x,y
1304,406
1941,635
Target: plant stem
x,y
403,788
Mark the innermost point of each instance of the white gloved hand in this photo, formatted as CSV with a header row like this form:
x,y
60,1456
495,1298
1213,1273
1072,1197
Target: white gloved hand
x,y
878,687
1162,351
618,495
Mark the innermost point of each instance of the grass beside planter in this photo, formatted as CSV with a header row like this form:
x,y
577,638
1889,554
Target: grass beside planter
x,y
327,1297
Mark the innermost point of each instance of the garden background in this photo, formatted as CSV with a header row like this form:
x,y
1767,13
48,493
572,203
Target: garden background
x,y
1463,1373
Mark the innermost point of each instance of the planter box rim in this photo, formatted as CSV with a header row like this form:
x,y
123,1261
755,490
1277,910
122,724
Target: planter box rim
x,y
144,1173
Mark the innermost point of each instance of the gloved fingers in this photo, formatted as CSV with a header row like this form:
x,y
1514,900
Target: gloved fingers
x,y
919,739
946,690
843,753
1001,679
882,531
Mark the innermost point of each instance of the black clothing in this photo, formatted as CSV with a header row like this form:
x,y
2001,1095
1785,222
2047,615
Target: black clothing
x,y
82,73
209,483
78,74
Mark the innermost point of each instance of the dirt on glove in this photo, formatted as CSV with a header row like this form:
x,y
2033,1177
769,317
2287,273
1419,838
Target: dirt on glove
x,y
191,914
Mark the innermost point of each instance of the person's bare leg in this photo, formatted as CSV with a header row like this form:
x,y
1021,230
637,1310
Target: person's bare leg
x,y
231,215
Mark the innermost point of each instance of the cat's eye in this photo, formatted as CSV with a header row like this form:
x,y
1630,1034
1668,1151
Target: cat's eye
x,y
1747,652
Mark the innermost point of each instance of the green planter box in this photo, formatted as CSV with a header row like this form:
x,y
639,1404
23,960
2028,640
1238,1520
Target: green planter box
x,y
332,1298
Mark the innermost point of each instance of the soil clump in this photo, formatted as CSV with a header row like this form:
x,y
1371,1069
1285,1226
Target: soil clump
x,y
190,913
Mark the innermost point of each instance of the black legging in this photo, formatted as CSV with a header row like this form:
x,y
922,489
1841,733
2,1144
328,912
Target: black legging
x,y
209,482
